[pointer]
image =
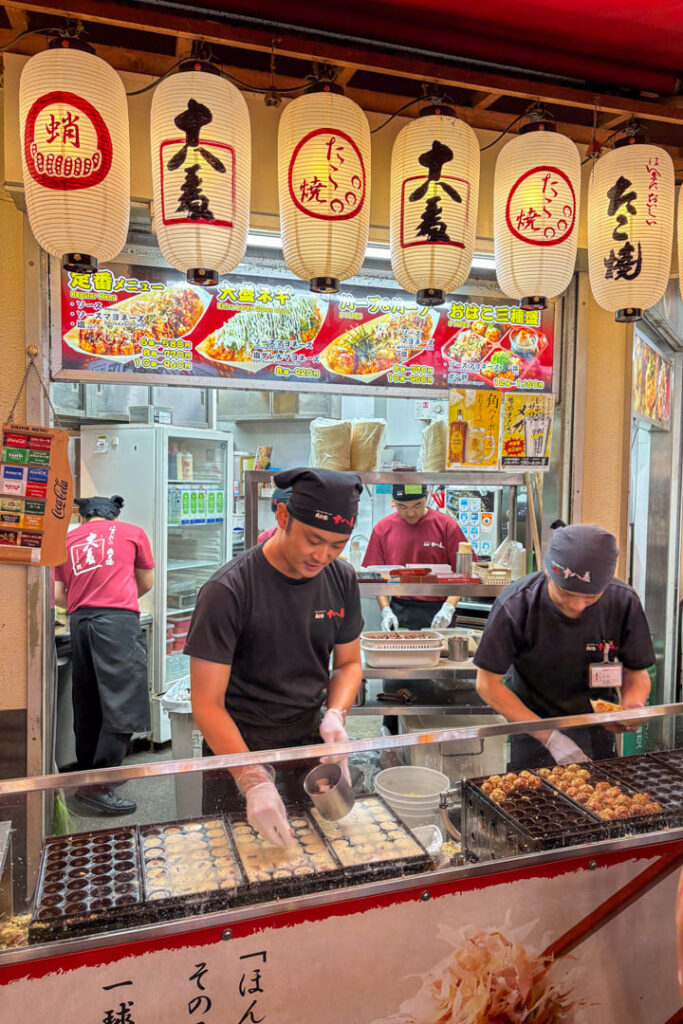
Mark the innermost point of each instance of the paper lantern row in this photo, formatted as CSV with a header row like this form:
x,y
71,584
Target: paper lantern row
x,y
76,163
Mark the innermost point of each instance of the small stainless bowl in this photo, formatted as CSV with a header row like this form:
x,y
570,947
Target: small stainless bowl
x,y
338,800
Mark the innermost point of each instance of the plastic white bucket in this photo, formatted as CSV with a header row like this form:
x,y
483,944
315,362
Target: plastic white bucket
x,y
412,792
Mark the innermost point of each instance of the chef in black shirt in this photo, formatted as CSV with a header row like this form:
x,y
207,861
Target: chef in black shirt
x,y
260,643
547,636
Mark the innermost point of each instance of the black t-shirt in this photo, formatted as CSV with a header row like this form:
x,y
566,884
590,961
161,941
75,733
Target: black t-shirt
x,y
277,634
545,655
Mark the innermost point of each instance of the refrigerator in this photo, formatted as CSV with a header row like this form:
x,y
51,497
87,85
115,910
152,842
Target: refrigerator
x,y
177,485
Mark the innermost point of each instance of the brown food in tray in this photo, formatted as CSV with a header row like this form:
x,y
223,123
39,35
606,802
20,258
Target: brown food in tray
x,y
369,833
499,787
599,795
264,862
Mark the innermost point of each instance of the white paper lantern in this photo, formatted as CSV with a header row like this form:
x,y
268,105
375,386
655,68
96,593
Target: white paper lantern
x,y
75,155
434,201
536,215
201,172
324,186
630,228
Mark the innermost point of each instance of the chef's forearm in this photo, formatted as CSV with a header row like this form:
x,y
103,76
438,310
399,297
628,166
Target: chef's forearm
x,y
636,687
452,601
493,690
344,685
383,602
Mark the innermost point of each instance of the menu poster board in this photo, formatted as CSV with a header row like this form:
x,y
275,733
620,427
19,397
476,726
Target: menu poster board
x,y
36,495
264,332
473,429
652,380
526,431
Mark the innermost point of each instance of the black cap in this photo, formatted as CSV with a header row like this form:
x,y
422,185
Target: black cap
x,y
409,492
106,508
582,558
322,497
280,497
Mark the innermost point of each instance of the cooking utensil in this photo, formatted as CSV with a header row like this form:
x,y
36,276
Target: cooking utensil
x,y
458,648
330,792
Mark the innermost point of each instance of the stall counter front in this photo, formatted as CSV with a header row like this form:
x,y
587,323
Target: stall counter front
x,y
551,890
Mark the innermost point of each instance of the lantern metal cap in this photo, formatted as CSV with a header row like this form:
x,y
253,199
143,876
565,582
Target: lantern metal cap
x,y
324,284
533,302
203,276
628,315
195,64
62,42
79,263
430,297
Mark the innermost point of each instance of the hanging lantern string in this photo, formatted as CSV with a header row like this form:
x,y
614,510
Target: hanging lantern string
x,y
32,353
55,30
627,128
509,127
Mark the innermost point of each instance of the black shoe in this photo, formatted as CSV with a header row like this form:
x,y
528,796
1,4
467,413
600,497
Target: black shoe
x,y
101,802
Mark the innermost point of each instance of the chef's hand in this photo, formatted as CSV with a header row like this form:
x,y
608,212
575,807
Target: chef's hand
x,y
563,750
444,616
332,731
389,620
265,810
266,813
622,727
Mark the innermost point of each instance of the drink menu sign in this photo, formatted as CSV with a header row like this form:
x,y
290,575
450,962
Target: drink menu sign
x,y
260,332
36,495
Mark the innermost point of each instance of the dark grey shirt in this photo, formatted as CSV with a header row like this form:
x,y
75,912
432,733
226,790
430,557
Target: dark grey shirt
x,y
277,634
545,655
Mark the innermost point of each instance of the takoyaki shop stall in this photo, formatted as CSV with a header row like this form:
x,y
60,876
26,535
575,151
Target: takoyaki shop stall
x,y
542,895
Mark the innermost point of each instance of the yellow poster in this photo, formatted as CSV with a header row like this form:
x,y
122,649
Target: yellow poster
x,y
473,429
527,431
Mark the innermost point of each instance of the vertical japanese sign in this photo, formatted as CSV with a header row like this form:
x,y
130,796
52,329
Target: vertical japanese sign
x,y
526,431
473,429
197,173
435,205
541,207
36,495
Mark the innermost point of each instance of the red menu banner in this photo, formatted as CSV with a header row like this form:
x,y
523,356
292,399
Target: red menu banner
x,y
255,330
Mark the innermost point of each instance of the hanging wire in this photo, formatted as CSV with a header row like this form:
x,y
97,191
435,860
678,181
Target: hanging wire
x,y
55,30
504,133
617,130
391,118
31,366
158,81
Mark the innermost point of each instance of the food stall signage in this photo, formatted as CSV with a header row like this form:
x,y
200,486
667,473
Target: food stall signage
x,y
149,322
434,206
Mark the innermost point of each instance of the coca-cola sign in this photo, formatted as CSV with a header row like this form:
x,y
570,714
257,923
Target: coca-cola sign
x,y
67,144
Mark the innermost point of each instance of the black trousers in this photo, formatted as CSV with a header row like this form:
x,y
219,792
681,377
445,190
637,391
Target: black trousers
x,y
220,794
527,752
108,660
410,615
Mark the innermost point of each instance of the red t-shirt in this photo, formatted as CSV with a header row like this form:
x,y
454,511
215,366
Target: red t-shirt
x,y
434,540
101,559
266,535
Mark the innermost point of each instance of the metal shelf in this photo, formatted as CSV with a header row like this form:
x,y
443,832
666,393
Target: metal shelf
x,y
445,670
377,707
385,589
174,564
180,611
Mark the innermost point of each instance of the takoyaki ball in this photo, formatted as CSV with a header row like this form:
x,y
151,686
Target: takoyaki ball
x,y
510,777
499,796
534,783
487,787
544,772
602,787
622,812
652,808
608,814
572,791
507,785
583,775
495,779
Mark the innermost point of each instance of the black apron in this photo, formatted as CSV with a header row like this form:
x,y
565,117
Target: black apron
x,y
110,656
220,794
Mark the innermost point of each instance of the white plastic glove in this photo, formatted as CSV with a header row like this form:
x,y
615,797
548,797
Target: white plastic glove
x,y
266,813
444,616
332,731
389,620
563,750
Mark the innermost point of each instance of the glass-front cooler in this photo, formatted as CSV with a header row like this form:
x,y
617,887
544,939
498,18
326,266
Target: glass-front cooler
x,y
177,485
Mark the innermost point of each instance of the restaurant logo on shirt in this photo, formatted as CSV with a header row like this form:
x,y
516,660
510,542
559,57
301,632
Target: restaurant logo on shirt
x,y
598,648
433,544
329,614
89,555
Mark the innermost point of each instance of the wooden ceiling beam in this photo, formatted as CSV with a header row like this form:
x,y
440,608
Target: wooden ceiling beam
x,y
483,100
18,19
409,66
